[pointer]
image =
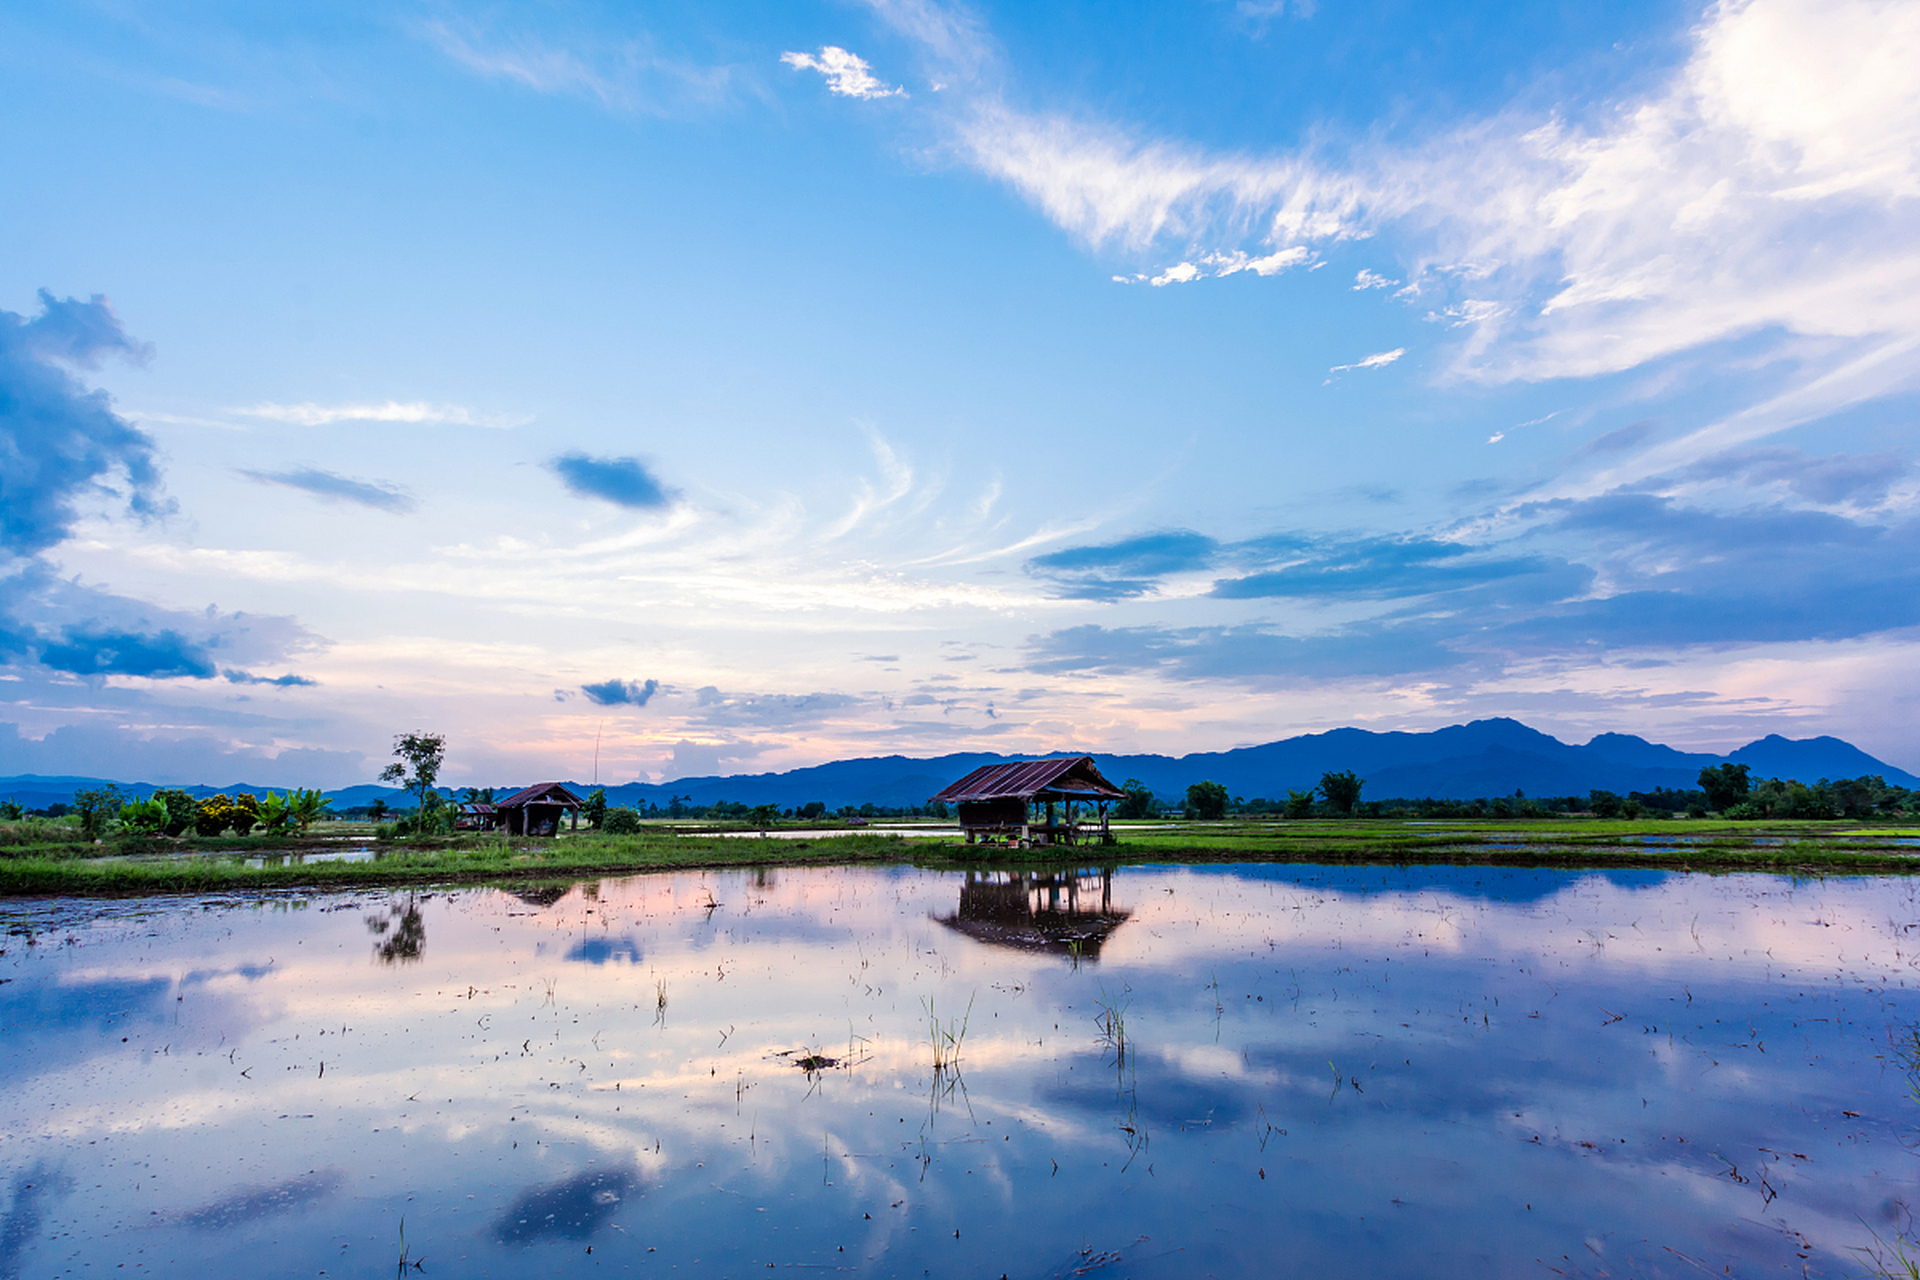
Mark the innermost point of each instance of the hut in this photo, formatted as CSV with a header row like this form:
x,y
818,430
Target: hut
x,y
476,816
1034,802
537,810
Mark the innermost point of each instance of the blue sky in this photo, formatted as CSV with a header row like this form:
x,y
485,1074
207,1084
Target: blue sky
x,y
745,386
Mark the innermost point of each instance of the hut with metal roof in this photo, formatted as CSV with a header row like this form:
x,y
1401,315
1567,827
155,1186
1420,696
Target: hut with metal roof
x,y
475,815
1034,802
537,811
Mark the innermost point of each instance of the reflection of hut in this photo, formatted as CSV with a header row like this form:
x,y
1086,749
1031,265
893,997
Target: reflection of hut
x,y
537,810
1007,801
1059,912
474,816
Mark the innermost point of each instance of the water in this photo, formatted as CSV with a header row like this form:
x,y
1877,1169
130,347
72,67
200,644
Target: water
x,y
1165,1072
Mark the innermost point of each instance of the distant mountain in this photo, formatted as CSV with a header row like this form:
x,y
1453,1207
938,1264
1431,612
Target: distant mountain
x,y
1483,758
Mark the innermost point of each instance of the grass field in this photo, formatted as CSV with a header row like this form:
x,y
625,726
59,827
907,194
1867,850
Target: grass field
x,y
41,863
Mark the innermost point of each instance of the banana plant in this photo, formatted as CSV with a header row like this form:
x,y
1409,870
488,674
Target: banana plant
x,y
308,807
144,815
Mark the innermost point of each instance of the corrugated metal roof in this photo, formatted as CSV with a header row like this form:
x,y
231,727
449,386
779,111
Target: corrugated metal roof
x,y
1024,779
539,791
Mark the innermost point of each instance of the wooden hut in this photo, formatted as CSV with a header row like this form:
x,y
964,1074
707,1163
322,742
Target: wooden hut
x,y
1068,913
537,810
1034,802
476,816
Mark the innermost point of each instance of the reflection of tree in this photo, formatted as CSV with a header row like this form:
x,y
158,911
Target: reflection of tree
x,y
1067,912
403,944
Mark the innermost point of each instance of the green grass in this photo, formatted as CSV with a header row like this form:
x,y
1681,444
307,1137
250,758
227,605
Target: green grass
x,y
40,863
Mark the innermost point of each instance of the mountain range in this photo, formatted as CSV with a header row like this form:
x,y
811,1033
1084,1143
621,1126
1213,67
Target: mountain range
x,y
1484,758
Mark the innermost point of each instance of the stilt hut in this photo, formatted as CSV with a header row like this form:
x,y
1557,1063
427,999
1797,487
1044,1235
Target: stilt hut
x,y
1034,802
537,810
1068,913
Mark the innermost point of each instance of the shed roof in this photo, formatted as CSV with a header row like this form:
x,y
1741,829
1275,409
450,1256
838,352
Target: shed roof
x,y
1074,777
541,793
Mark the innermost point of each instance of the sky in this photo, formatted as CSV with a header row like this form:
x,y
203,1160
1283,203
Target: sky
x,y
641,391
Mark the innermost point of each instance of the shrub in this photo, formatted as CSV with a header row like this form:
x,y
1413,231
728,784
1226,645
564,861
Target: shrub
x,y
217,813
621,822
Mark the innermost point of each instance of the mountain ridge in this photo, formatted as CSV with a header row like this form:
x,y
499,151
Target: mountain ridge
x,y
1481,758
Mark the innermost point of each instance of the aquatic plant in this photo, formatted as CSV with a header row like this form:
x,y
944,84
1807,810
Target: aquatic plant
x,y
1112,1021
946,1038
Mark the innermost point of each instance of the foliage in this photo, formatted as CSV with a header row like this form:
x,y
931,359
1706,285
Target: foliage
x,y
215,814
181,808
1299,804
763,815
147,816
818,809
1206,800
1138,801
1726,785
418,767
1342,790
96,807
596,808
621,822
10,811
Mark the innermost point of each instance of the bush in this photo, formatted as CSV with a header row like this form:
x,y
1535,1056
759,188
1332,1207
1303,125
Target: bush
x,y
621,822
216,813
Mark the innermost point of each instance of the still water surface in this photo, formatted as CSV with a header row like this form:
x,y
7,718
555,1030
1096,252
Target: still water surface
x,y
1162,1072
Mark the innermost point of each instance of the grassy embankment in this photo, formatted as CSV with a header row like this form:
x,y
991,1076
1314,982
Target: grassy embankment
x,y
47,858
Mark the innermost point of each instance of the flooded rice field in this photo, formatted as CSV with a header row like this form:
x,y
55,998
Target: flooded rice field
x,y
1228,1071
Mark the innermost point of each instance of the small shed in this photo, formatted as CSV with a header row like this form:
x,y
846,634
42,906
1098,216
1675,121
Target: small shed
x,y
537,810
1034,802
475,816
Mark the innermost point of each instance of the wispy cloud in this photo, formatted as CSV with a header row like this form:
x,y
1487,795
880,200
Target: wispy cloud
x,y
630,76
1378,360
848,74
309,414
1372,280
326,484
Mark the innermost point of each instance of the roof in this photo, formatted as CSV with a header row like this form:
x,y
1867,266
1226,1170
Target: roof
x,y
1074,777
540,793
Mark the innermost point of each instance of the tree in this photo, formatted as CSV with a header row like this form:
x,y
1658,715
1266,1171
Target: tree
x,y
1206,800
1726,785
1299,804
817,809
622,822
422,754
763,815
596,808
1605,804
96,807
1342,791
377,810
1138,802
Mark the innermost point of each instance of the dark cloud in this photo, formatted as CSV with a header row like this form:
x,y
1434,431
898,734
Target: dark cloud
x,y
625,482
1831,480
60,441
1396,567
1670,575
159,754
1617,441
250,1204
326,484
235,676
1130,567
121,653
614,693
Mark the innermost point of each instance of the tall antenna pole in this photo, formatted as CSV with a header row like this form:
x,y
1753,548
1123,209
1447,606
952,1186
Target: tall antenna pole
x,y
596,752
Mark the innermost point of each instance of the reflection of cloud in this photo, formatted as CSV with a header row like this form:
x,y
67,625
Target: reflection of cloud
x,y
17,1230
601,950
572,1209
250,1203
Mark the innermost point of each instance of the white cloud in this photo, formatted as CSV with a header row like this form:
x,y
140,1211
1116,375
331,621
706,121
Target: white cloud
x,y
1378,360
1372,280
847,74
1767,185
1215,265
309,414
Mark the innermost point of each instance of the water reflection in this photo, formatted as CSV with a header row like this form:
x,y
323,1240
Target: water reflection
x,y
402,933
572,1209
251,1203
1067,912
1396,1071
